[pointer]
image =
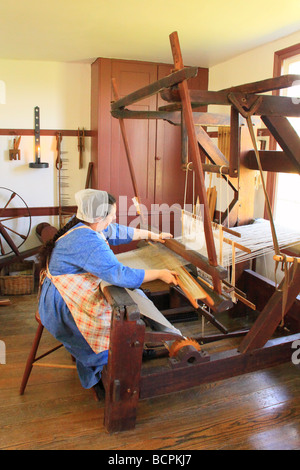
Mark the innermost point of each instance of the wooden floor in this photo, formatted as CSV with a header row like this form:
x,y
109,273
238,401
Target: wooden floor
x,y
255,411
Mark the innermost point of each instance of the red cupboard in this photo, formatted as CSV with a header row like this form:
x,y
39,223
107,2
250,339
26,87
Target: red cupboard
x,y
155,145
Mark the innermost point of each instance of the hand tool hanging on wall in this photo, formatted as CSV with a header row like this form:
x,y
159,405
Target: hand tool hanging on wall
x,y
14,153
81,146
63,199
58,162
37,145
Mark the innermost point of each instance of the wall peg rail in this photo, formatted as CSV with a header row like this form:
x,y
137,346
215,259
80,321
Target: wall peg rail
x,y
45,132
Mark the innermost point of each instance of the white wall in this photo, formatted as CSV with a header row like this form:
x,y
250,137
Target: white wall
x,y
251,66
62,92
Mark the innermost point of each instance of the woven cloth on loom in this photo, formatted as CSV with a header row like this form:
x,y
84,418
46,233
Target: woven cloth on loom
x,y
257,237
157,256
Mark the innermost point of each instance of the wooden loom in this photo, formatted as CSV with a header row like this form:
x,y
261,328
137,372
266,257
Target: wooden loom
x,y
124,378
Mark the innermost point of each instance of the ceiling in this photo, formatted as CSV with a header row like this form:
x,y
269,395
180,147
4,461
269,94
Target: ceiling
x,y
210,31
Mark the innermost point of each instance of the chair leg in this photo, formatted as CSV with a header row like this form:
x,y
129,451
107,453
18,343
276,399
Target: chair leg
x,y
31,358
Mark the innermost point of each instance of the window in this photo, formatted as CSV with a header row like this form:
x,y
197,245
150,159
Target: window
x,y
287,193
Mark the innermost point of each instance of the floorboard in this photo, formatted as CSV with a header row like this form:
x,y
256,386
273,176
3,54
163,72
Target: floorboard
x,y
257,411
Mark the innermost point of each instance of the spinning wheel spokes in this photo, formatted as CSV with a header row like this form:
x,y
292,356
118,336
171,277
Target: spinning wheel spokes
x,y
15,222
13,231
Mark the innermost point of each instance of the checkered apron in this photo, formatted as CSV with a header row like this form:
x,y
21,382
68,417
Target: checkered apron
x,y
91,312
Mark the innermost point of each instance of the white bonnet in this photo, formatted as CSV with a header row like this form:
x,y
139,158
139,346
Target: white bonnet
x,y
92,205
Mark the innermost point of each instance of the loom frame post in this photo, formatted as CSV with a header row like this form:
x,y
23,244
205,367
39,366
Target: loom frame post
x,y
195,155
121,376
272,314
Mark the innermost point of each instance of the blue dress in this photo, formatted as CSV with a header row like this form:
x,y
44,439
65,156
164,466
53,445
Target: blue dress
x,y
84,251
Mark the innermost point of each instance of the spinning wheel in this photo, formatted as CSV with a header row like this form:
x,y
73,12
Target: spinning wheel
x,y
15,222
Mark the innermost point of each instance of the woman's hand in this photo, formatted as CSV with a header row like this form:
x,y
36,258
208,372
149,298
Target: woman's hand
x,y
140,234
169,277
160,237
164,235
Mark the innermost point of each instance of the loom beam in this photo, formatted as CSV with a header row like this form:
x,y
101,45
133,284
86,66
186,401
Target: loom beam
x,y
262,86
286,136
195,258
269,106
271,160
155,87
221,366
195,156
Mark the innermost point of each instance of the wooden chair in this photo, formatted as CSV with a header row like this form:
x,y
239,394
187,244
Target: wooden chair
x,y
33,359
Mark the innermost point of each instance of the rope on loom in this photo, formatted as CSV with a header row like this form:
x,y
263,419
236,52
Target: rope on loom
x,y
186,179
268,204
227,195
269,210
192,225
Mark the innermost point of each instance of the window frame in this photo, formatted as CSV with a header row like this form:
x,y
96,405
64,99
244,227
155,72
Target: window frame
x,y
279,57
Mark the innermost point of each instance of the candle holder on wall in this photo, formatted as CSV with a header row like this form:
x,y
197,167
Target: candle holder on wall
x,y
37,163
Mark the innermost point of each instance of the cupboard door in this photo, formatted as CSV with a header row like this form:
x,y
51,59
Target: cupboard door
x,y
170,178
141,134
155,145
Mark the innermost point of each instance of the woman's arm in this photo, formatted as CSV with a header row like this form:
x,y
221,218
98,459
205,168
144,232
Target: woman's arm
x,y
169,277
118,234
140,234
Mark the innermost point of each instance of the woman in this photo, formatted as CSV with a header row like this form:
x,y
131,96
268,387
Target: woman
x,y
71,306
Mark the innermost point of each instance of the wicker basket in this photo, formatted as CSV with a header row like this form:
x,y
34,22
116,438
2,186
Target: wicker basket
x,y
17,278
